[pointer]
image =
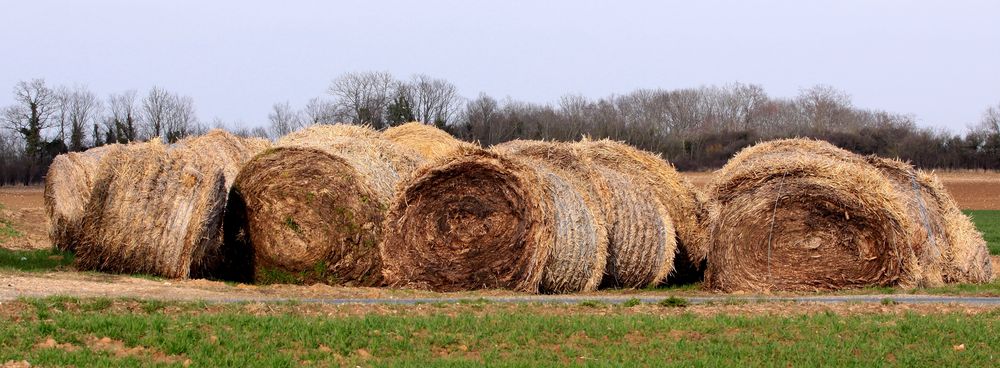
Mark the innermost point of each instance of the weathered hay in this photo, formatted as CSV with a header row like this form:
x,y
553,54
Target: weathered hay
x,y
947,244
311,208
476,219
158,210
320,132
643,241
641,237
67,190
579,256
685,205
803,219
427,140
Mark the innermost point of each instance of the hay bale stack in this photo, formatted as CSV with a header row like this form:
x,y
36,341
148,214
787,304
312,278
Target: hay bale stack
x,y
67,190
685,205
804,220
947,244
311,208
158,210
578,259
427,140
476,219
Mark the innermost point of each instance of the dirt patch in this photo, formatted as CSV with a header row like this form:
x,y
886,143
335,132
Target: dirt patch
x,y
24,208
116,348
973,190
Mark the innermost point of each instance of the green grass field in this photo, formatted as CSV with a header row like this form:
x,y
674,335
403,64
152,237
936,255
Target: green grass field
x,y
35,260
988,222
287,335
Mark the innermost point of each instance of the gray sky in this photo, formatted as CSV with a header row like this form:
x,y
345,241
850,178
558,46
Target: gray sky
x,y
939,60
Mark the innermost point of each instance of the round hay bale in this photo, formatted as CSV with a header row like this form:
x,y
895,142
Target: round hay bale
x,y
947,244
474,220
804,220
643,242
68,184
793,146
578,258
158,210
427,140
321,132
311,208
685,205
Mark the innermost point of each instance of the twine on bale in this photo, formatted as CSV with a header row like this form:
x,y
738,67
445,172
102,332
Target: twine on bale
x,y
925,219
770,233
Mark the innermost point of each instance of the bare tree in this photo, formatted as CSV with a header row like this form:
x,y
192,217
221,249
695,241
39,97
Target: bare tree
x,y
990,122
825,108
30,115
364,97
155,112
480,116
320,111
284,119
434,100
125,113
82,109
182,119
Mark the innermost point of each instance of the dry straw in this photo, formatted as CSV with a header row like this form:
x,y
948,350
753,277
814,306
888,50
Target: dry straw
x,y
427,140
158,210
685,205
67,190
311,208
643,242
578,258
949,248
804,215
476,219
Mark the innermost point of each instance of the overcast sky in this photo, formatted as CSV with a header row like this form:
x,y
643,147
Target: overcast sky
x,y
937,60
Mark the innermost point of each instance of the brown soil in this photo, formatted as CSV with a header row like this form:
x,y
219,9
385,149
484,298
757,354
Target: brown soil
x,y
24,208
973,190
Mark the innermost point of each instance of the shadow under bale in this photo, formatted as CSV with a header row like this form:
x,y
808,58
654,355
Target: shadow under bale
x,y
799,218
311,208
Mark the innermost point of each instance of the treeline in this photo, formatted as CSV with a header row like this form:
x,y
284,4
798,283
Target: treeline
x,y
695,128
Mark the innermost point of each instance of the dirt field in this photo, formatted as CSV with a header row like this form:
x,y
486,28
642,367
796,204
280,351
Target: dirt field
x,y
973,190
23,206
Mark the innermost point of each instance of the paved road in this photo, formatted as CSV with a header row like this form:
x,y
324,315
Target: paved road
x,y
570,299
13,286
